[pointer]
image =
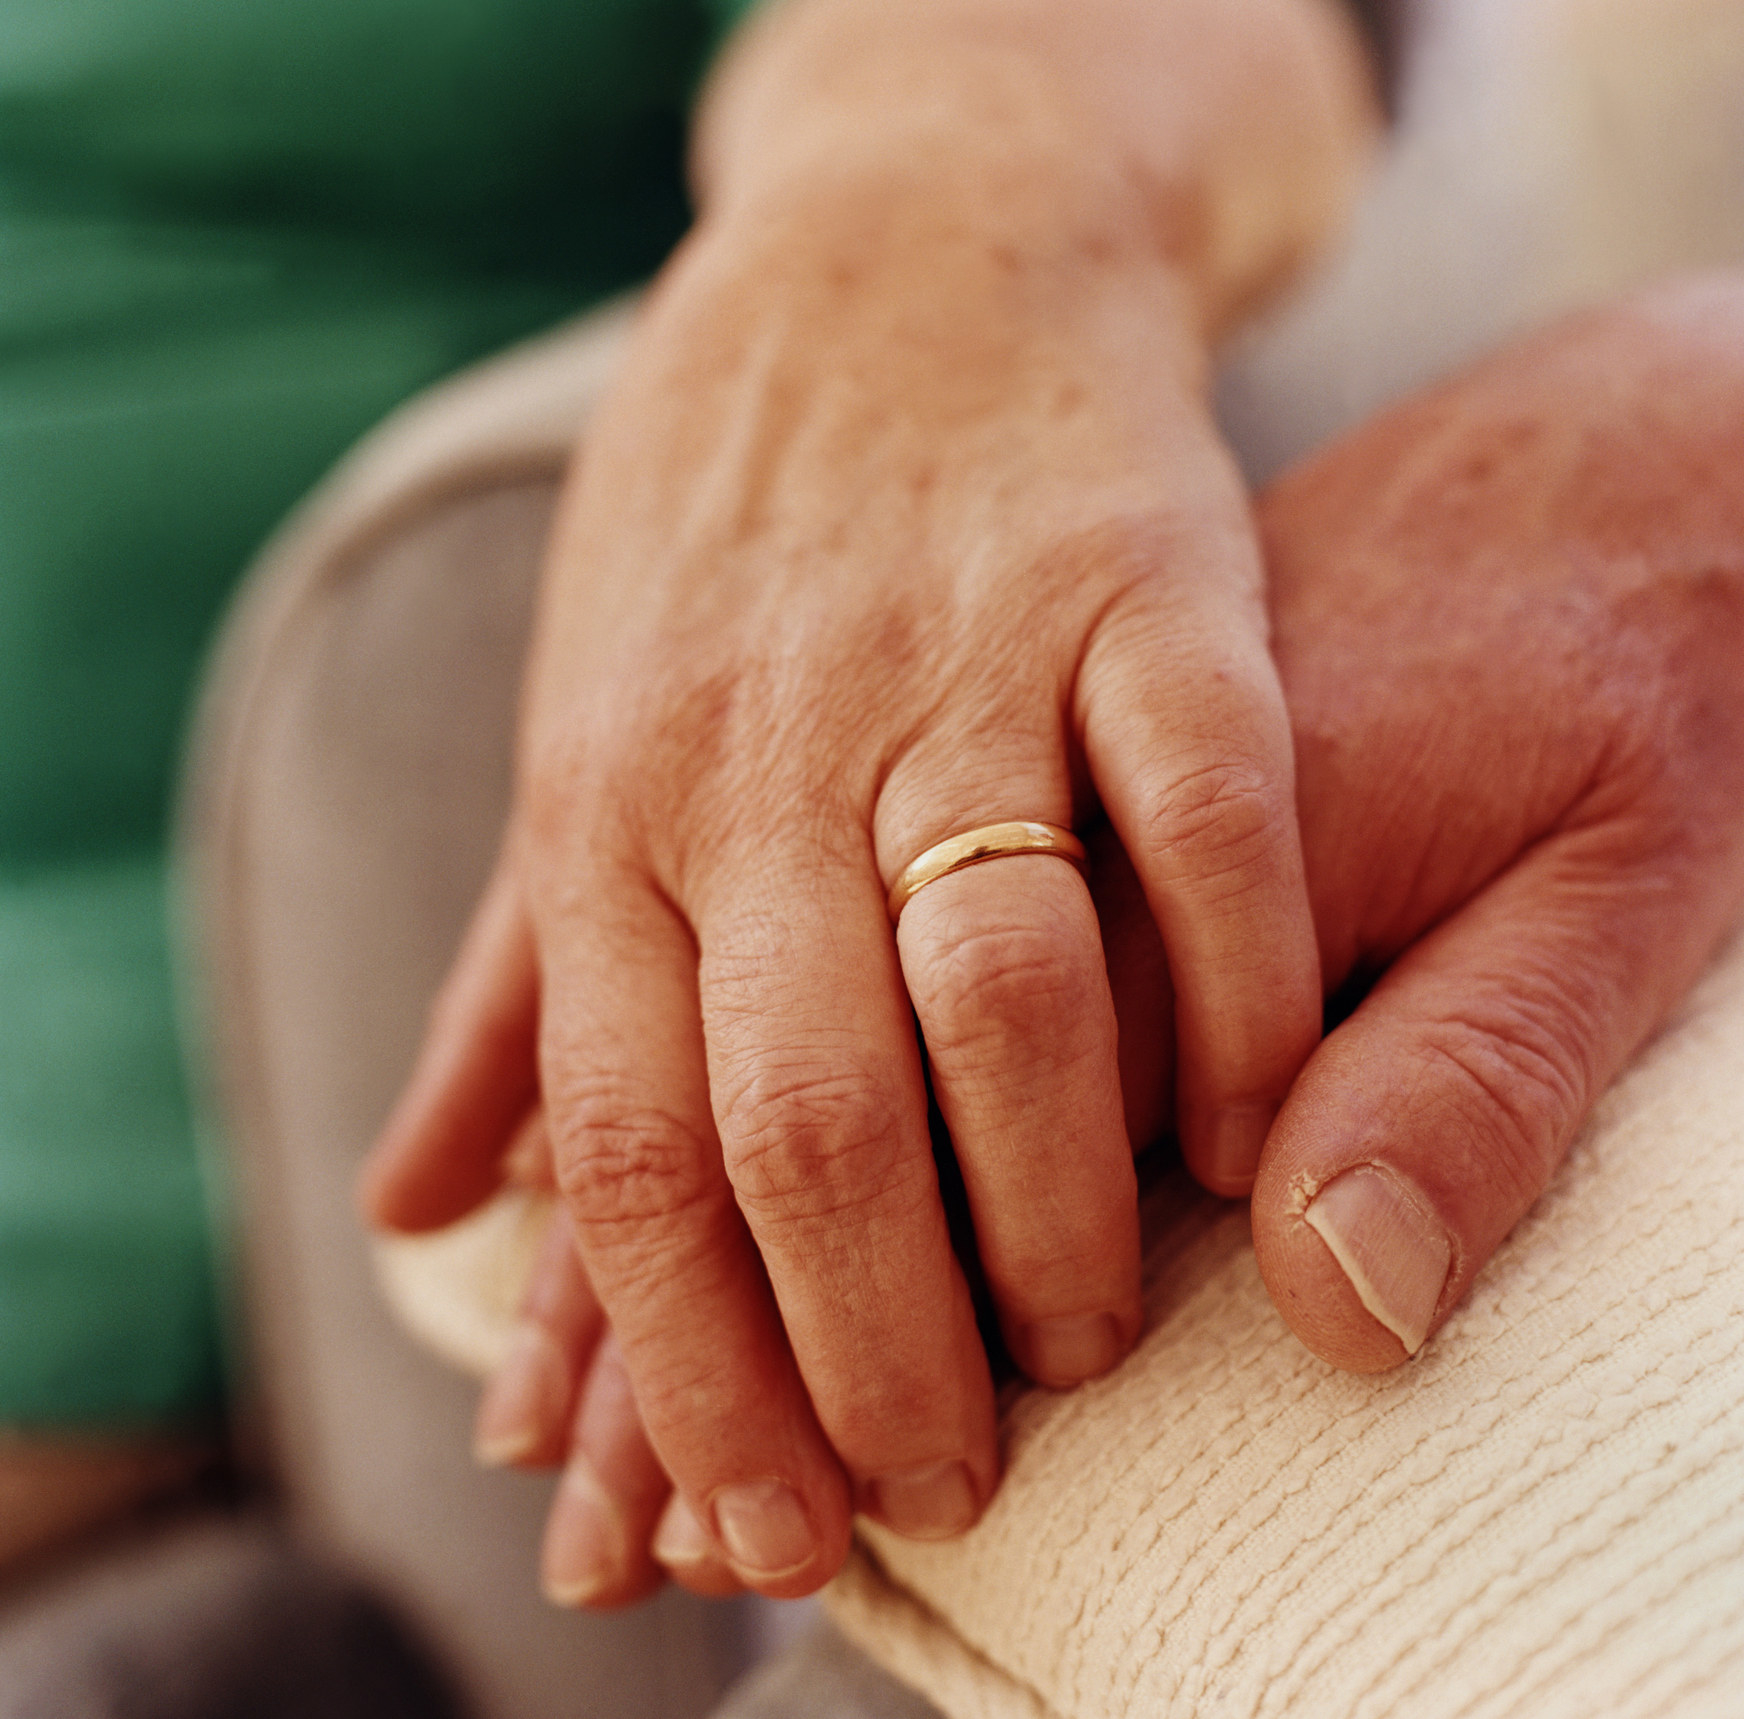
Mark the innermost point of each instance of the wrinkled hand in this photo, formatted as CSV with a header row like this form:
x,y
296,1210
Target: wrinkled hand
x,y
791,637
1510,618
563,1398
1510,621
905,517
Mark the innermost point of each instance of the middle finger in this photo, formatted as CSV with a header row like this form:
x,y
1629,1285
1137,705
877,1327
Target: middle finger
x,y
820,1103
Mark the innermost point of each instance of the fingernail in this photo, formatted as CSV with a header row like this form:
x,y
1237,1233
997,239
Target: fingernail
x,y
681,1540
586,1545
1389,1244
763,1526
525,1396
1065,1352
1233,1152
930,1503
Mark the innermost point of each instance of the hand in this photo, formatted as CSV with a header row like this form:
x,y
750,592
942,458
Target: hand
x,y
721,782
562,1397
1511,618
1510,621
906,517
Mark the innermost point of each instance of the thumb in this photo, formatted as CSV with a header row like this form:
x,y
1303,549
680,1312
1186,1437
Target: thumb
x,y
1427,1124
441,1152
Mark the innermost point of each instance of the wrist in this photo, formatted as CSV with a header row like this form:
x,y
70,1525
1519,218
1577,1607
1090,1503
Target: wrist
x,y
984,391
1216,139
924,190
993,245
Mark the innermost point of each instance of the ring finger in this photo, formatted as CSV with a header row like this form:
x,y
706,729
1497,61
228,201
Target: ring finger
x,y
1004,964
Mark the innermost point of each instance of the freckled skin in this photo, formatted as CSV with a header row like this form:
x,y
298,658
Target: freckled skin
x,y
1585,596
1510,622
906,515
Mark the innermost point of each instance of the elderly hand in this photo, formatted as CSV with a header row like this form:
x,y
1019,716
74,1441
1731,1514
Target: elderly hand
x,y
1510,621
906,517
1510,617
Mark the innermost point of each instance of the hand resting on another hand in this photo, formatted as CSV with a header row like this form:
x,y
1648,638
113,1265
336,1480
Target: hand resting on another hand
x,y
905,515
1510,623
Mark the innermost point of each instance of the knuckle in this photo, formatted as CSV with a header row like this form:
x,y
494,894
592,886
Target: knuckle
x,y
639,749
690,1385
809,1145
692,767
863,1409
1062,1256
570,800
1220,818
626,1165
982,986
1518,1084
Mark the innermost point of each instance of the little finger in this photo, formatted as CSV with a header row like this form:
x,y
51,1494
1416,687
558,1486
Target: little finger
x,y
603,1517
524,1414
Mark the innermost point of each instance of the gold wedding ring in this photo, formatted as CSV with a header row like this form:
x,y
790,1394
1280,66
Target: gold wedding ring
x,y
992,841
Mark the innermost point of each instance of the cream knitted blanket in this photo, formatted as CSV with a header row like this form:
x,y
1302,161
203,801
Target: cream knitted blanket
x,y
1540,1518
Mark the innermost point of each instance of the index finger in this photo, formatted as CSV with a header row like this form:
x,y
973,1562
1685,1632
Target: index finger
x,y
1202,796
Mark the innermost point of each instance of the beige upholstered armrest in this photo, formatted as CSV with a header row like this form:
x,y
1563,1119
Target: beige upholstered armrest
x,y
345,796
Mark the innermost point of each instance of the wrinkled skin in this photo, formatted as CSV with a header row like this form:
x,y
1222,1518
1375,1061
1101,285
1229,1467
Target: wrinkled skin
x,y
905,515
1511,628
1510,624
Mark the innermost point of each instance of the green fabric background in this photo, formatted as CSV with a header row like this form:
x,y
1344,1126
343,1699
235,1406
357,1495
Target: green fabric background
x,y
232,236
